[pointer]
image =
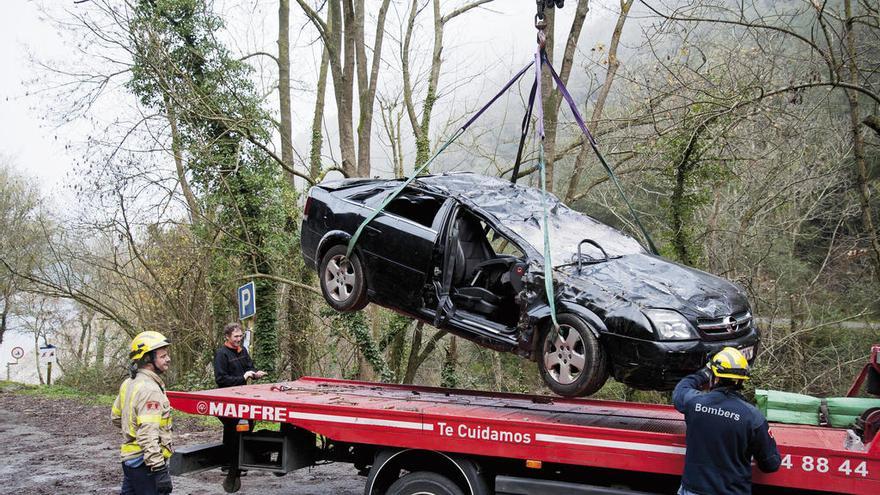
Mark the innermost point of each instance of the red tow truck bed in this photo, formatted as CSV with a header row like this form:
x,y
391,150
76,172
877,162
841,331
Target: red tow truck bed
x,y
641,438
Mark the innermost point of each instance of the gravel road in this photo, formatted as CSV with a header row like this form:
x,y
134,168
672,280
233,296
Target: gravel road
x,y
52,446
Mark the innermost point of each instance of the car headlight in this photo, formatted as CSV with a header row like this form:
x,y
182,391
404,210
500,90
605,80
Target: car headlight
x,y
670,325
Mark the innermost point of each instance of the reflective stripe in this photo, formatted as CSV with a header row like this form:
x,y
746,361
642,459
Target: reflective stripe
x,y
166,452
115,411
165,421
149,418
130,448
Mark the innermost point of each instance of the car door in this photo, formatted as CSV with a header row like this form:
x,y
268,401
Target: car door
x,y
398,246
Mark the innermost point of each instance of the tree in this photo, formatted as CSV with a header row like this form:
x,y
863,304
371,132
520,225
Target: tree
x,y
344,39
421,126
21,243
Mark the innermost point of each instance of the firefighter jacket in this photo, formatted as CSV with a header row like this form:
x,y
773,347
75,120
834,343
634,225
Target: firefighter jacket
x,y
724,433
143,413
230,365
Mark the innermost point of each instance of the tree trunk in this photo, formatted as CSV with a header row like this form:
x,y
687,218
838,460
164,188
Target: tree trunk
x,y
284,88
317,132
340,43
549,97
412,364
449,375
613,65
176,150
862,176
367,84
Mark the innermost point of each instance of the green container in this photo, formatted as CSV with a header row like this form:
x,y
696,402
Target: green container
x,y
788,407
843,411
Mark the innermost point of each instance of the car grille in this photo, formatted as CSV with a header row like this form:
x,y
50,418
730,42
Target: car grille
x,y
727,325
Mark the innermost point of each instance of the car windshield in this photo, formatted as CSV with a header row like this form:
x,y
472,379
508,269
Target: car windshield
x,y
519,209
567,228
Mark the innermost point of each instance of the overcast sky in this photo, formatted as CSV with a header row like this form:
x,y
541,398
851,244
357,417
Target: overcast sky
x,y
482,48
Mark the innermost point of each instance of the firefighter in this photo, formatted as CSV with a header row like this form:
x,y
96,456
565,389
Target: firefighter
x,y
724,431
143,414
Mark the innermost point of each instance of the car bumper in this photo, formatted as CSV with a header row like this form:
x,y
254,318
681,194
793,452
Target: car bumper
x,y
648,364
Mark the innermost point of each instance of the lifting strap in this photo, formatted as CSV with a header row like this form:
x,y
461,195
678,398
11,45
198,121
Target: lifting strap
x,y
408,181
539,134
592,141
534,94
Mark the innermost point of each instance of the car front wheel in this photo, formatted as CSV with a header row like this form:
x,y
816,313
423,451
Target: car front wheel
x,y
571,360
342,280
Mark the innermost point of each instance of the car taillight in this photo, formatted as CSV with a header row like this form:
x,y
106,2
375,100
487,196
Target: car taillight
x,y
307,207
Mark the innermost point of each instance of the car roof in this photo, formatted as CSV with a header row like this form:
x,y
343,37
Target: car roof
x,y
493,195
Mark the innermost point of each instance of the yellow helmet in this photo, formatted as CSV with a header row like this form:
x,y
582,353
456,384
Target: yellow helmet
x,y
730,363
145,342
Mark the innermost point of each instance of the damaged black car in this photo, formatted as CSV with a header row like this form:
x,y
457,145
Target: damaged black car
x,y
464,252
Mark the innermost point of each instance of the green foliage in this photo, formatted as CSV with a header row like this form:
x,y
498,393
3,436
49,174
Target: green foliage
x,y
355,326
393,342
692,176
448,374
61,391
91,379
182,70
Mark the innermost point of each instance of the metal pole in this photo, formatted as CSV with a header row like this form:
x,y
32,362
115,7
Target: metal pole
x,y
49,373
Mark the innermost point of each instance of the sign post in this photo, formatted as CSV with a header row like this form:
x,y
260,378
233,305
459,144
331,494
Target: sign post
x,y
17,353
247,308
47,357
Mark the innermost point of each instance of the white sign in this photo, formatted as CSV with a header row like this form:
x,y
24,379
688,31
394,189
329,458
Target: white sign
x,y
17,352
47,354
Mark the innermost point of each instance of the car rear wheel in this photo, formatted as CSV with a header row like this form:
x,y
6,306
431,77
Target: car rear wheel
x,y
571,361
342,280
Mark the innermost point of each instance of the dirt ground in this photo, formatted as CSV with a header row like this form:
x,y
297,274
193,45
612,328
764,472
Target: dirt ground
x,y
54,446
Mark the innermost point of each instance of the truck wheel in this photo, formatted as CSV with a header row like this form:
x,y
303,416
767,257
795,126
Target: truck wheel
x,y
342,280
571,361
424,483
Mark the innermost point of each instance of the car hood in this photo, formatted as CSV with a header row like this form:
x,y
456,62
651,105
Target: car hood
x,y
651,281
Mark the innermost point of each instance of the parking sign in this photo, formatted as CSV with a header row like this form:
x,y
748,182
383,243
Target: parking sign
x,y
247,301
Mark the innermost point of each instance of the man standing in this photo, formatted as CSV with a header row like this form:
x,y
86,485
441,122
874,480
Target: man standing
x,y
143,414
233,366
724,432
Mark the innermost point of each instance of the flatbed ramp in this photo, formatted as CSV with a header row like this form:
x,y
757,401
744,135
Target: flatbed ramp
x,y
642,438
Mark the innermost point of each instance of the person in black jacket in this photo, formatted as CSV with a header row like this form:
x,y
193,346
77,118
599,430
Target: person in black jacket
x,y
724,432
233,366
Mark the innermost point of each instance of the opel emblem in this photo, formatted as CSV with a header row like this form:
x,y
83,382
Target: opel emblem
x,y
730,324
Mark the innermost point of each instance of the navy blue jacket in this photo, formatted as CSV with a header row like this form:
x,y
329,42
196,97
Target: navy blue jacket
x,y
724,433
230,366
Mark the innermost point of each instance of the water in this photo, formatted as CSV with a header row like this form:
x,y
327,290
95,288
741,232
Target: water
x,y
25,368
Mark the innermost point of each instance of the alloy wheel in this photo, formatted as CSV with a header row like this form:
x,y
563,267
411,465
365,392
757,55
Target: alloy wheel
x,y
564,355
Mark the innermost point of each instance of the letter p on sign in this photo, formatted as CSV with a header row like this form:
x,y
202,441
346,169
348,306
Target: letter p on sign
x,y
247,301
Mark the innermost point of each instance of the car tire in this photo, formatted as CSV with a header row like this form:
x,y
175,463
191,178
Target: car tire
x,y
424,482
572,362
342,280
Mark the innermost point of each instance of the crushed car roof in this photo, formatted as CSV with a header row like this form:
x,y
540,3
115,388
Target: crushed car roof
x,y
520,208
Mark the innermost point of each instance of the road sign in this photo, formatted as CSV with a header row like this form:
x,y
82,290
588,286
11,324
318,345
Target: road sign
x,y
247,301
17,352
47,354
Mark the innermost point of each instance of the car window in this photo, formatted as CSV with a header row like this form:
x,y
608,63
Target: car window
x,y
410,204
501,244
370,197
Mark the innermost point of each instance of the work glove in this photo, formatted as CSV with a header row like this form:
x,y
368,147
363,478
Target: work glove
x,y
163,479
248,375
706,373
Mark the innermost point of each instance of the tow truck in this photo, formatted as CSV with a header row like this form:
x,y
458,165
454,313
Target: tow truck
x,y
411,440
